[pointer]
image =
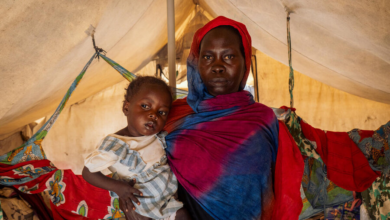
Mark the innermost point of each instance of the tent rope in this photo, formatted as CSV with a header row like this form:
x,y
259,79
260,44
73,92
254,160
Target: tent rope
x,y
38,137
124,72
41,133
291,76
35,141
97,49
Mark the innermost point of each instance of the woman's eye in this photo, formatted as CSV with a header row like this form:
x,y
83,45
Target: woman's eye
x,y
144,106
228,57
162,113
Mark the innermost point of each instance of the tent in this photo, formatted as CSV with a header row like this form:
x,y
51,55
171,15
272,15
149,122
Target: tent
x,y
340,52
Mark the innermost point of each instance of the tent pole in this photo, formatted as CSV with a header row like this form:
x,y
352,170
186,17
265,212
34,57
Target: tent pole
x,y
171,43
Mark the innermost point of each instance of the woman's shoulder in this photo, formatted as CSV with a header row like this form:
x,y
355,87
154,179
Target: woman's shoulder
x,y
180,104
180,101
180,109
263,109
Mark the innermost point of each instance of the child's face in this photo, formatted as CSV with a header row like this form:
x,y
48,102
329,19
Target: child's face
x,y
147,110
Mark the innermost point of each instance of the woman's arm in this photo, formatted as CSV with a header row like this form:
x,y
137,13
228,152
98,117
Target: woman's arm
x,y
124,190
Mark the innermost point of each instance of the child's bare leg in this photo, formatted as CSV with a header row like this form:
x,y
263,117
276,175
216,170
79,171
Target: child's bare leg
x,y
182,214
131,214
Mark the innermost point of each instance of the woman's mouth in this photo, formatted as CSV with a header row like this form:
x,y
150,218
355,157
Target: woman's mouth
x,y
150,125
219,82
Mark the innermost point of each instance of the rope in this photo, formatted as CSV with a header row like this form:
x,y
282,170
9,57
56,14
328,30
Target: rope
x,y
291,76
40,135
97,49
124,72
34,143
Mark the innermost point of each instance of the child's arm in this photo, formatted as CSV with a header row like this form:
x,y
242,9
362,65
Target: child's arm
x,y
124,190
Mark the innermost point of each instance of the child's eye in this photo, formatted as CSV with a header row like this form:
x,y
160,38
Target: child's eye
x,y
144,106
207,57
228,57
162,113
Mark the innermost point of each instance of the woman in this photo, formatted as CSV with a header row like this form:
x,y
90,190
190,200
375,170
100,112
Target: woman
x,y
222,146
231,156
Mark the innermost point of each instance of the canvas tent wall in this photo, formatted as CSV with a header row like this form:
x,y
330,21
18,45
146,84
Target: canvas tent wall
x,y
341,48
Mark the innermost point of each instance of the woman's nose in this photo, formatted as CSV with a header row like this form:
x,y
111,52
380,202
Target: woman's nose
x,y
218,69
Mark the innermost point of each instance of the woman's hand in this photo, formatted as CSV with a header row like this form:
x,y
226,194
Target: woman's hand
x,y
126,193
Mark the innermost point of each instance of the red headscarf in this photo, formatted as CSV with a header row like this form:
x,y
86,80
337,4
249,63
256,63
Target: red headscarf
x,y
196,89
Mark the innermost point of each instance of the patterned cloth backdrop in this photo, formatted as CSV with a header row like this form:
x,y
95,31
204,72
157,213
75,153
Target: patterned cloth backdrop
x,y
375,146
319,192
1,213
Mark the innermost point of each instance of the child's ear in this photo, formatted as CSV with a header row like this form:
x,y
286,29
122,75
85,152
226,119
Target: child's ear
x,y
125,108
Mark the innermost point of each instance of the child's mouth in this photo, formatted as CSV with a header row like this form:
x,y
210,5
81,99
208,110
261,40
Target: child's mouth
x,y
150,125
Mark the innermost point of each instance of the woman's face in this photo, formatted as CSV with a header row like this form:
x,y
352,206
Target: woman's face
x,y
221,64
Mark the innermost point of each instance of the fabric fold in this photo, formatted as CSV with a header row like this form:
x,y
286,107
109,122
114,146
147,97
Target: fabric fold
x,y
288,177
346,165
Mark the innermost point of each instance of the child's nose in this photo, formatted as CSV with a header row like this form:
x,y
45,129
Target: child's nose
x,y
153,115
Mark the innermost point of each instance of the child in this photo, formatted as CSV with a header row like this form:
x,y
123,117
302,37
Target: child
x,y
136,157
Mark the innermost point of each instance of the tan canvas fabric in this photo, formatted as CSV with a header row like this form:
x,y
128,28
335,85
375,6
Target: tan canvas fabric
x,y
320,105
45,46
83,125
344,43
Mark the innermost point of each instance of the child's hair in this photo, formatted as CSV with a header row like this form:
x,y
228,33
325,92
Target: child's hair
x,y
140,81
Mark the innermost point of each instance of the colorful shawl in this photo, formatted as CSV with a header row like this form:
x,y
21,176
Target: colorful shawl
x,y
223,149
223,156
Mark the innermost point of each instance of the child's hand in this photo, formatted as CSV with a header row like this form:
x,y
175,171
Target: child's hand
x,y
131,214
126,192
